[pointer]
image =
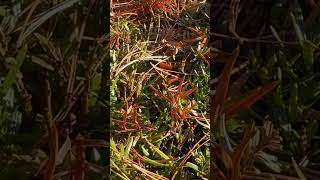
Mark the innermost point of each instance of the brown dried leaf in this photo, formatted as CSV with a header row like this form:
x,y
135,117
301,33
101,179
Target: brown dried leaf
x,y
223,85
250,99
180,87
172,80
187,93
156,92
238,154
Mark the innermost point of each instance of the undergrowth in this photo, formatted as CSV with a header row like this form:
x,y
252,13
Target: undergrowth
x,y
159,90
51,123
262,84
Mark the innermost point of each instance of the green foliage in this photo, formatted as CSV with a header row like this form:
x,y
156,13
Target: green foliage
x,y
159,92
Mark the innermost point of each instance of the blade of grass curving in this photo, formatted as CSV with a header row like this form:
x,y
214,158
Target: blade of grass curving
x,y
43,17
192,166
32,7
42,63
233,16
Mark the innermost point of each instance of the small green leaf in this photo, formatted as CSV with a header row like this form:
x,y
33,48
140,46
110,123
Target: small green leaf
x,y
297,29
192,166
307,53
42,63
12,75
153,162
128,147
144,150
3,11
276,35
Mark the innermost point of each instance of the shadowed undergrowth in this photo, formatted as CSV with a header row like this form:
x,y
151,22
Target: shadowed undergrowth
x,y
51,56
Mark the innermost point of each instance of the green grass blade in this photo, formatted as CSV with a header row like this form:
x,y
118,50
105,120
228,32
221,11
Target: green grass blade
x,y
11,76
297,29
153,162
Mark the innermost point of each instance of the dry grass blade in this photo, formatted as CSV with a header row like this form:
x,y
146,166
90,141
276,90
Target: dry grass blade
x,y
223,86
32,6
72,98
219,101
157,93
233,16
72,74
125,114
172,80
145,172
164,5
187,93
63,151
53,139
216,172
180,87
250,99
237,156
